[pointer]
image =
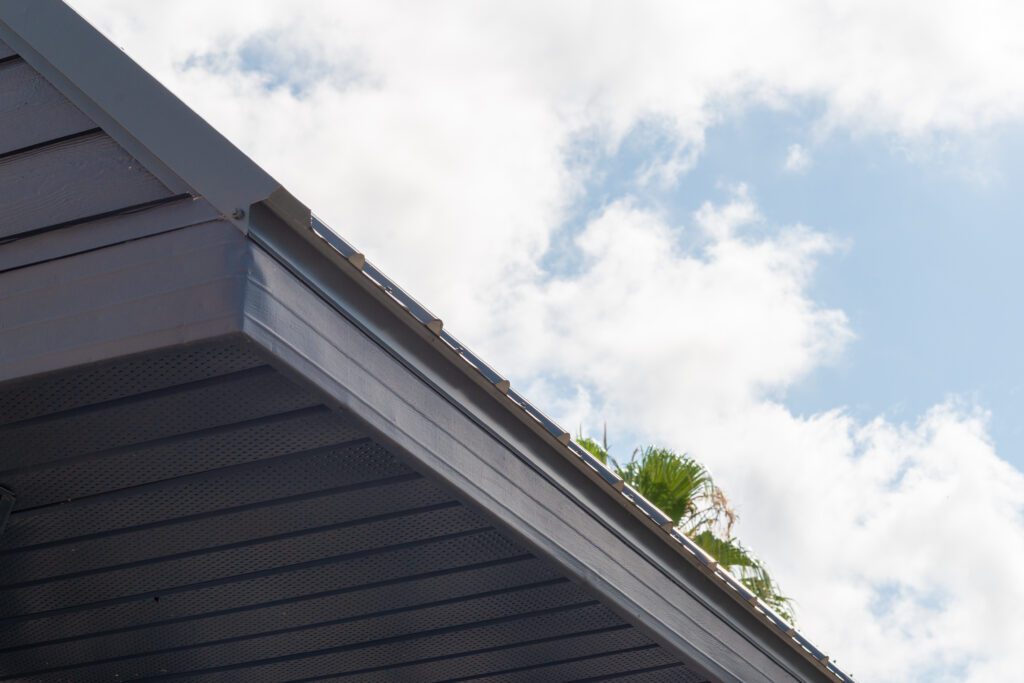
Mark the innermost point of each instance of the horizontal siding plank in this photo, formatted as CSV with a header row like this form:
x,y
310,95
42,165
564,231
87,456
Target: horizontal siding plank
x,y
208,494
237,563
344,505
249,441
137,311
536,653
616,663
32,111
212,403
41,304
335,661
112,380
402,596
338,575
69,181
105,232
334,633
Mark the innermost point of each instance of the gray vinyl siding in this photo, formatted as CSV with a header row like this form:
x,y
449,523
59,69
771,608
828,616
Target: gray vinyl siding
x,y
127,298
60,172
112,229
33,112
71,181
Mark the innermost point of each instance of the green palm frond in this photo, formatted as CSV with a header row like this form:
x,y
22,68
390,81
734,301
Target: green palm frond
x,y
678,485
684,490
747,568
593,447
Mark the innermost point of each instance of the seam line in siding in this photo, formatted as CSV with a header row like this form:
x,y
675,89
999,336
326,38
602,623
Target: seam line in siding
x,y
46,143
133,208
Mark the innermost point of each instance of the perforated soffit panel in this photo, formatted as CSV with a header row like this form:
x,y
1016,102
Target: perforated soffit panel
x,y
193,513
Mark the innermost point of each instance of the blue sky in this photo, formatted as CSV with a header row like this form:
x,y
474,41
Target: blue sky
x,y
930,239
930,273
594,197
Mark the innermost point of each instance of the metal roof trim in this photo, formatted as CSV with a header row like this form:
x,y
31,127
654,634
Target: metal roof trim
x,y
630,496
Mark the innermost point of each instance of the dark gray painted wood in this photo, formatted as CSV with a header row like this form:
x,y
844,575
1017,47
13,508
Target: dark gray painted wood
x,y
32,111
529,656
33,304
39,397
5,50
191,407
302,612
69,181
157,128
232,544
105,231
143,295
328,350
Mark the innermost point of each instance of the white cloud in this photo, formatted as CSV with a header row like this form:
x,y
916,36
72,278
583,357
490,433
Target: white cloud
x,y
440,139
880,530
646,317
797,159
442,129
900,542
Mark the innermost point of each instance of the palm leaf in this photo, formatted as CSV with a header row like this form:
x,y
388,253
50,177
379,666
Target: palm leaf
x,y
684,490
678,485
747,568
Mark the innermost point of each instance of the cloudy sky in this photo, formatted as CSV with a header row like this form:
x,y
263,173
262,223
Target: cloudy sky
x,y
784,237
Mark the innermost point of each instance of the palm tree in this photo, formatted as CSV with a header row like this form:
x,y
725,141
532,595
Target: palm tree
x,y
684,490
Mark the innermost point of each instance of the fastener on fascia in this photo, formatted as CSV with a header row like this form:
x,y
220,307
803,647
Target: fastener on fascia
x,y
357,259
435,325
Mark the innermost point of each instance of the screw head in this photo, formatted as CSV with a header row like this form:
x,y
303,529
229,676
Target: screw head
x,y
238,214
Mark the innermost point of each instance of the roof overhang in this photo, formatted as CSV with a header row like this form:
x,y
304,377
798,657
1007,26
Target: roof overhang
x,y
237,264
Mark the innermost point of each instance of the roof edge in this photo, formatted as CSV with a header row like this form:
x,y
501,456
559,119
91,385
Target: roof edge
x,y
188,155
173,142
346,258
